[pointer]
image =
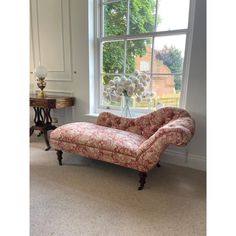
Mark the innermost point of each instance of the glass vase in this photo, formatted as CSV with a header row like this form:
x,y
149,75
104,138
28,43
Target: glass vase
x,y
125,106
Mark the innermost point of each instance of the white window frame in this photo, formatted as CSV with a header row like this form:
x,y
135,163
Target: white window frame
x,y
99,39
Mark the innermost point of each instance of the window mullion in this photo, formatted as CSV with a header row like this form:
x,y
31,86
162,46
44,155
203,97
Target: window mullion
x,y
101,19
100,71
144,35
152,57
153,44
127,32
111,1
128,14
125,47
100,54
155,26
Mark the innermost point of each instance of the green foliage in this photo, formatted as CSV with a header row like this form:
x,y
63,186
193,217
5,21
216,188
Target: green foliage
x,y
113,57
142,19
115,21
172,58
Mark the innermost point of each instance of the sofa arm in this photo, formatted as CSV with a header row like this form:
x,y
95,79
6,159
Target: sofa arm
x,y
177,132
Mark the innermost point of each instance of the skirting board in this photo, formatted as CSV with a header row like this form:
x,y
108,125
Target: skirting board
x,y
184,159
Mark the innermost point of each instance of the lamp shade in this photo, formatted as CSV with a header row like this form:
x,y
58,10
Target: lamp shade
x,y
40,72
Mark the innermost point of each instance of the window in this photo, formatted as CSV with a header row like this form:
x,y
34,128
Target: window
x,y
146,36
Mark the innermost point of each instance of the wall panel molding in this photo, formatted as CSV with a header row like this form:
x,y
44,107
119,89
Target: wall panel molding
x,y
184,159
51,37
32,53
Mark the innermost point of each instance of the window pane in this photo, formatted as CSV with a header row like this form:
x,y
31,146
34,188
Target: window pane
x,y
160,93
109,97
139,55
169,54
142,16
164,88
113,57
167,69
115,18
172,14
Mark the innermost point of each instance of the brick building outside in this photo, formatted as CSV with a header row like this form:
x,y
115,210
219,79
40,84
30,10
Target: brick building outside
x,y
162,84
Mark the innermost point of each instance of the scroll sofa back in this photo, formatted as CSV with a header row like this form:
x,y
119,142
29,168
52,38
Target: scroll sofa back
x,y
145,125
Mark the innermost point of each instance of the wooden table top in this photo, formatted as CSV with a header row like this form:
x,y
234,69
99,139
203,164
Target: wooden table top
x,y
51,101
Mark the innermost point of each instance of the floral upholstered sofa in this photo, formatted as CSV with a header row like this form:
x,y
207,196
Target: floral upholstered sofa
x,y
135,143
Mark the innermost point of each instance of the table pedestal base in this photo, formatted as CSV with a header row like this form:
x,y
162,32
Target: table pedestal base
x,y
43,123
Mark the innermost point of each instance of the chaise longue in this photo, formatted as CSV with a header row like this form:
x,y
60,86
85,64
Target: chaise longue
x,y
135,143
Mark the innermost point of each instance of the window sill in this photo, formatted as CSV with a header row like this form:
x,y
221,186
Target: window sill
x,y
95,115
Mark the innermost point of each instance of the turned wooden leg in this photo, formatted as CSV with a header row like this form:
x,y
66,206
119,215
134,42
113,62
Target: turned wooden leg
x,y
158,164
46,139
32,130
59,156
142,181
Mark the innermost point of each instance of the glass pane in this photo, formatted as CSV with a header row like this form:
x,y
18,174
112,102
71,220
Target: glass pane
x,y
147,101
109,96
169,54
172,14
113,57
139,55
164,89
115,18
142,16
167,70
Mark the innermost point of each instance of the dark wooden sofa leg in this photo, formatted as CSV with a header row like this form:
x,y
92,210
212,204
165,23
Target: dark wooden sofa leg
x,y
158,164
142,179
59,156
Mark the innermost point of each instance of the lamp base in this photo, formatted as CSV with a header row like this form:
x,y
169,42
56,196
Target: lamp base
x,y
41,94
41,84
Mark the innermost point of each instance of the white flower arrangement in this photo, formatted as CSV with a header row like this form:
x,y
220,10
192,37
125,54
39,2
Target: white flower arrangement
x,y
135,85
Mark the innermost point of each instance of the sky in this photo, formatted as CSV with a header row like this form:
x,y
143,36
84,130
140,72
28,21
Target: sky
x,y
174,15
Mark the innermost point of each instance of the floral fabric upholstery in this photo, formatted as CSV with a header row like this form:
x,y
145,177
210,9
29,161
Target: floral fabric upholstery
x,y
100,137
145,125
136,143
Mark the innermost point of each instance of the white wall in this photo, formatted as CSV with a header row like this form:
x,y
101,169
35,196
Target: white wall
x,y
82,47
196,95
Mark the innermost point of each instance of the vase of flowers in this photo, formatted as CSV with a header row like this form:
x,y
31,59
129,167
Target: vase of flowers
x,y
123,89
125,105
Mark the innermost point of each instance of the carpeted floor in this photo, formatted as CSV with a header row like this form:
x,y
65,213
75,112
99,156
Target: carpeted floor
x,y
88,197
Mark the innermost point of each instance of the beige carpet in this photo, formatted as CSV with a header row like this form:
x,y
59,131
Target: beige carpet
x,y
88,197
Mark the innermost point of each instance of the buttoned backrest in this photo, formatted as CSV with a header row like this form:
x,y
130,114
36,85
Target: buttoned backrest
x,y
145,125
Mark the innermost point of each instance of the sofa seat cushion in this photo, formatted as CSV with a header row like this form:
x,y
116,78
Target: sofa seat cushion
x,y
99,137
